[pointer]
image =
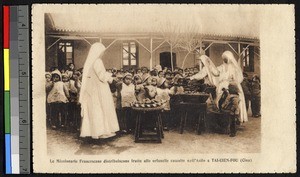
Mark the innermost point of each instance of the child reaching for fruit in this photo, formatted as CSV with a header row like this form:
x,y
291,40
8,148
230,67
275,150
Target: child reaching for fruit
x,y
177,88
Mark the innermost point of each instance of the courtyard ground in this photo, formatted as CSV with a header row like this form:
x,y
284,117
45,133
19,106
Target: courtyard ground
x,y
247,140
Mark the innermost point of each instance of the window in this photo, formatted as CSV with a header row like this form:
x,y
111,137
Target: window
x,y
65,53
129,55
248,58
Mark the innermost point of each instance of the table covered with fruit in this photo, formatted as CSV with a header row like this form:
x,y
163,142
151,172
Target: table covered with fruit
x,y
148,104
149,109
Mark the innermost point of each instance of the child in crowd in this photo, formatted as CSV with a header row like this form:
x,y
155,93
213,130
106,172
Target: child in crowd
x,y
71,105
230,103
140,88
150,85
57,98
126,95
77,108
63,70
163,93
177,88
119,76
160,74
246,89
180,71
255,96
154,73
70,70
154,81
169,78
114,72
49,85
137,79
145,73
139,72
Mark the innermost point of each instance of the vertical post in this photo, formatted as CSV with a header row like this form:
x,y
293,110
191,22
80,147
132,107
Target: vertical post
x,y
172,58
100,39
151,51
239,53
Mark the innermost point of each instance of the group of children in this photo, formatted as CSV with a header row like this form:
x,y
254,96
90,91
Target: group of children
x,y
136,86
63,88
251,88
62,93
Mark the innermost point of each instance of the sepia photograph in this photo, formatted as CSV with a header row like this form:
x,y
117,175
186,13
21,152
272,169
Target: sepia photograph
x,y
126,81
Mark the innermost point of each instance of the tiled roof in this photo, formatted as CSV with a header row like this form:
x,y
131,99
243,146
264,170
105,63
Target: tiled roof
x,y
236,21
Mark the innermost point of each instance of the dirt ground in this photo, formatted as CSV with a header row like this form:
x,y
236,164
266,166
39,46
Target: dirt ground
x,y
247,140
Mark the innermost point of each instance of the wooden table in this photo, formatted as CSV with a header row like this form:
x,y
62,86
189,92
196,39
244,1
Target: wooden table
x,y
153,114
201,108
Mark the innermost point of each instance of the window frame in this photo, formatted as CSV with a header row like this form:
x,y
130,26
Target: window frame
x,y
65,45
130,54
248,58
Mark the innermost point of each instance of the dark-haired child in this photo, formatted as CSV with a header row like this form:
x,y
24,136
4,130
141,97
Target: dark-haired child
x,y
246,89
49,85
231,104
255,96
126,95
163,93
71,105
57,98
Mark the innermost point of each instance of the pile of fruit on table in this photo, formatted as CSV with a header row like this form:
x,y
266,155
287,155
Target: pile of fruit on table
x,y
193,93
148,103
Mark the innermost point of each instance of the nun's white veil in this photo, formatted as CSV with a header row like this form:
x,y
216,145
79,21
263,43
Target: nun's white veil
x,y
96,50
208,64
237,73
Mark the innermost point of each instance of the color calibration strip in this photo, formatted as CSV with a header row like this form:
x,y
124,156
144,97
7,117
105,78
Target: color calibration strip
x,y
22,66
14,88
17,89
7,127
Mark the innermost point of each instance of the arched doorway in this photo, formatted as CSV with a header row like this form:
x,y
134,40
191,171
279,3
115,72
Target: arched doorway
x,y
165,59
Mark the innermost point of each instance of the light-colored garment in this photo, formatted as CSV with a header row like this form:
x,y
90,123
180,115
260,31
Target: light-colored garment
x,y
127,95
202,74
208,72
69,73
231,72
71,86
73,91
58,93
164,94
97,106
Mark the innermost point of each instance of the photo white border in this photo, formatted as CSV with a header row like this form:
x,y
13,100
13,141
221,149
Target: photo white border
x,y
278,127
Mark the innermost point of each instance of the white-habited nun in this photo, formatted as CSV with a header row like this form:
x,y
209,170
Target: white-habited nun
x,y
207,71
99,119
230,71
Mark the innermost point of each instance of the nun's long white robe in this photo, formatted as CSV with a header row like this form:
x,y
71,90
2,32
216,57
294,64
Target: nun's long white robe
x,y
97,106
227,75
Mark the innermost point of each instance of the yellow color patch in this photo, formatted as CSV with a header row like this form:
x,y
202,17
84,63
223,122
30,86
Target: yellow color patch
x,y
6,70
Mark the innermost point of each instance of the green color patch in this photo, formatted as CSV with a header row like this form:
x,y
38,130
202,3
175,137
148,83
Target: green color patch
x,y
7,111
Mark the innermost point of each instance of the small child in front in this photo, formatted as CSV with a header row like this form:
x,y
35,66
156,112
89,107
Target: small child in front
x,y
57,98
163,92
231,104
126,94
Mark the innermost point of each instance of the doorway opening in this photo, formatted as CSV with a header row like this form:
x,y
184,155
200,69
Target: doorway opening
x,y
165,59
